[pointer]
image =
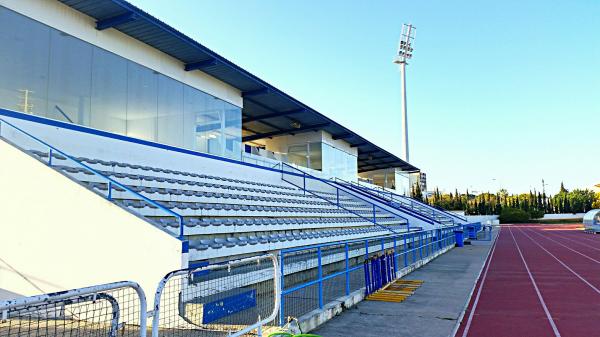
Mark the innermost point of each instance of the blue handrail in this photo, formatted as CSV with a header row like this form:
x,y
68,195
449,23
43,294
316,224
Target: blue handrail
x,y
411,201
401,207
463,218
111,181
337,189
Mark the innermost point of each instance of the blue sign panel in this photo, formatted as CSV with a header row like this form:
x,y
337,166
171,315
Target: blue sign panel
x,y
215,310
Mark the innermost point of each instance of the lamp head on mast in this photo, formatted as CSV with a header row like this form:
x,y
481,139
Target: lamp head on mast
x,y
405,48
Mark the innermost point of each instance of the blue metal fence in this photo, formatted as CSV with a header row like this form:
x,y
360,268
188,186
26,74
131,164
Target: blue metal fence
x,y
312,276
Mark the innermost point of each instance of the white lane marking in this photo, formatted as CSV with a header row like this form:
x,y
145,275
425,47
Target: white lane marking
x,y
576,241
489,262
537,290
564,264
569,248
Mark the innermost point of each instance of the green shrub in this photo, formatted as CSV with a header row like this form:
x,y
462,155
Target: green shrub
x,y
513,215
536,214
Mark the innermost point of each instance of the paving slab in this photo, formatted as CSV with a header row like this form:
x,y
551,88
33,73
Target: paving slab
x,y
432,311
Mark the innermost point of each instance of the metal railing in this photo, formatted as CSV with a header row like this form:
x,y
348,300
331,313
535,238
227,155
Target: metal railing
x,y
342,199
406,201
229,299
31,144
314,275
407,209
109,310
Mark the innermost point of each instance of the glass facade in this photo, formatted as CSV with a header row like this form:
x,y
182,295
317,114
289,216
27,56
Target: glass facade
x,y
330,160
51,74
306,155
339,163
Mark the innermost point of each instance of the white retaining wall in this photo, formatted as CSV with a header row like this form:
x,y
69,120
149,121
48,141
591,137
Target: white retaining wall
x,y
563,216
57,235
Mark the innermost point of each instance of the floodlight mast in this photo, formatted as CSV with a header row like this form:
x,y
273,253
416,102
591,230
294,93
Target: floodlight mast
x,y
404,54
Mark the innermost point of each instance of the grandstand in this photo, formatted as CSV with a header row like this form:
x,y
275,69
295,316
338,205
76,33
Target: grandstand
x,y
131,150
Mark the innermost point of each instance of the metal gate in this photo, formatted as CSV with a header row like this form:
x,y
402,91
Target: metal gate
x,y
109,310
230,299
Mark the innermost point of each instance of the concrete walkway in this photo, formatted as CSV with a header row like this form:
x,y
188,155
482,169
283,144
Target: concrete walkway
x,y
432,311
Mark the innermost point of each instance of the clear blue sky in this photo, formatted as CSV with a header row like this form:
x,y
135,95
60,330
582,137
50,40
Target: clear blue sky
x,y
505,90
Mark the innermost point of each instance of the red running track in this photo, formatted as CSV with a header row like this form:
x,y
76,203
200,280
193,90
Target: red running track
x,y
539,280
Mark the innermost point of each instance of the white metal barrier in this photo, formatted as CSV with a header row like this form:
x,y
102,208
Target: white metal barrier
x,y
113,310
229,299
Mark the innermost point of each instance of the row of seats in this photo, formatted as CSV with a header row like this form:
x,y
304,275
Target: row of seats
x,y
288,214
208,194
156,169
200,206
247,221
229,242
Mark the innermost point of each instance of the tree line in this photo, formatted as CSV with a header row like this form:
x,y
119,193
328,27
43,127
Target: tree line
x,y
535,203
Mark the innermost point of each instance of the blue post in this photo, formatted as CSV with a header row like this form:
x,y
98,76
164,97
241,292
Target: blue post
x,y
405,251
50,158
109,196
304,180
427,245
378,273
337,190
395,256
384,269
320,278
420,245
282,309
367,278
347,270
414,249
181,228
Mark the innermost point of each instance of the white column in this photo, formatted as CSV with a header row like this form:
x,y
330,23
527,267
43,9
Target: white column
x,y
404,113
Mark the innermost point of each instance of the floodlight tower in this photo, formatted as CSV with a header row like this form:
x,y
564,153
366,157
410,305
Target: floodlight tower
x,y
404,54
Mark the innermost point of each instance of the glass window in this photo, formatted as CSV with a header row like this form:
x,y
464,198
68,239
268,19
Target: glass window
x,y
109,92
209,127
142,101
23,63
339,163
52,74
194,102
233,131
69,85
315,156
170,111
307,155
298,154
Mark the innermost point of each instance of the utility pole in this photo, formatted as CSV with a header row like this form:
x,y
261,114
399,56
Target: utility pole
x,y
403,55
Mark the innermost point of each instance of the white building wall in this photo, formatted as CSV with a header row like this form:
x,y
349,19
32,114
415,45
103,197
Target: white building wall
x,y
59,235
68,20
